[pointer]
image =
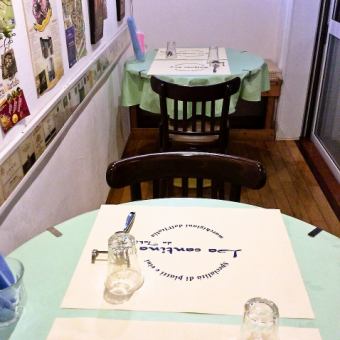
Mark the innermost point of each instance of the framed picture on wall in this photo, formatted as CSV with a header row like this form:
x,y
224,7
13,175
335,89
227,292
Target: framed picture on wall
x,y
120,9
96,9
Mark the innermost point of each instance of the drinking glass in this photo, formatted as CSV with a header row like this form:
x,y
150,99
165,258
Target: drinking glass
x,y
124,275
171,50
260,320
213,55
12,299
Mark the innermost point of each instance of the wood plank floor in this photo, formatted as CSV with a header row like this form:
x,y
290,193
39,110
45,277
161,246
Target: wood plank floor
x,y
291,186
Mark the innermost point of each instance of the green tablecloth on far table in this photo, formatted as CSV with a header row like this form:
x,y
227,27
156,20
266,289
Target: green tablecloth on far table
x,y
252,70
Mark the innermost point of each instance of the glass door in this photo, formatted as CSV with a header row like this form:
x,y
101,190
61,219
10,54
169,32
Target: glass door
x,y
326,126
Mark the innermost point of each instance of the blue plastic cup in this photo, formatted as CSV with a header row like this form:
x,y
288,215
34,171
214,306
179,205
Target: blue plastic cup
x,y
12,299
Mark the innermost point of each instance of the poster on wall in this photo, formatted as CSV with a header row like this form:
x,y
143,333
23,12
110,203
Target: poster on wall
x,y
104,9
7,21
74,30
43,35
120,4
96,11
13,106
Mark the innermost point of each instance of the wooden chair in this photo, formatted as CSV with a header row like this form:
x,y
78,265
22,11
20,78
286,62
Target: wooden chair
x,y
162,168
194,124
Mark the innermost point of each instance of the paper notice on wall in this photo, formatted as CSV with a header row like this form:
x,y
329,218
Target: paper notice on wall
x,y
200,260
43,34
74,30
107,329
13,106
7,20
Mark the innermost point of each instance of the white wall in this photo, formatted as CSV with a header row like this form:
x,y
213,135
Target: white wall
x,y
296,65
241,24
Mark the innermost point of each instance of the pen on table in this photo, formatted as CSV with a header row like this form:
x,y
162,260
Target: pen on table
x,y
314,232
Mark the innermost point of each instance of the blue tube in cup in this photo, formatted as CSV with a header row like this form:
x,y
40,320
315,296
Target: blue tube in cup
x,y
134,39
12,294
6,276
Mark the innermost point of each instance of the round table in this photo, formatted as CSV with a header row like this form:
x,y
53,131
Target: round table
x,y
50,262
252,69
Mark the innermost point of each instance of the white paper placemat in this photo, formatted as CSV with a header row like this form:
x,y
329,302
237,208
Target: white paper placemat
x,y
105,329
188,62
202,260
191,53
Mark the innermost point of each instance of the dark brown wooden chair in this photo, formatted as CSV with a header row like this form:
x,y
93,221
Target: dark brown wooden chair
x,y
224,171
193,123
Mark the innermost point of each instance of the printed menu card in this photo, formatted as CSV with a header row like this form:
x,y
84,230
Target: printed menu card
x,y
201,260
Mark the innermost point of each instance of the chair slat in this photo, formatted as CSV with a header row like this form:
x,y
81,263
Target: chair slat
x,y
170,187
221,190
193,116
136,191
163,188
213,188
212,116
185,115
175,114
185,185
193,132
199,187
235,193
203,118
155,188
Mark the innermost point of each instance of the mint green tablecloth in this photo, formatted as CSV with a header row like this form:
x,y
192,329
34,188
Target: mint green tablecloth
x,y
252,70
50,262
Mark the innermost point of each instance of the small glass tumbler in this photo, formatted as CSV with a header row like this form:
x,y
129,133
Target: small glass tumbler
x,y
213,55
260,320
12,299
171,50
124,275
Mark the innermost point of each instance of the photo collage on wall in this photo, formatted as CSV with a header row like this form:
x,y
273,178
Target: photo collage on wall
x,y
13,106
74,30
43,35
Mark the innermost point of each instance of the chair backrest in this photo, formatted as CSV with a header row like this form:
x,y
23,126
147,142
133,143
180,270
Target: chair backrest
x,y
161,168
194,111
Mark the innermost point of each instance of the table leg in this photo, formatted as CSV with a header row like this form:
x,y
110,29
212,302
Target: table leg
x,y
133,116
270,112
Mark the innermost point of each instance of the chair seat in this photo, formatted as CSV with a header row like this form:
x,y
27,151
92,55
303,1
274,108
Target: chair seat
x,y
185,142
180,139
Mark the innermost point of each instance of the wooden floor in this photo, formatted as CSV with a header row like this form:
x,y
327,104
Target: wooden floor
x,y
291,186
